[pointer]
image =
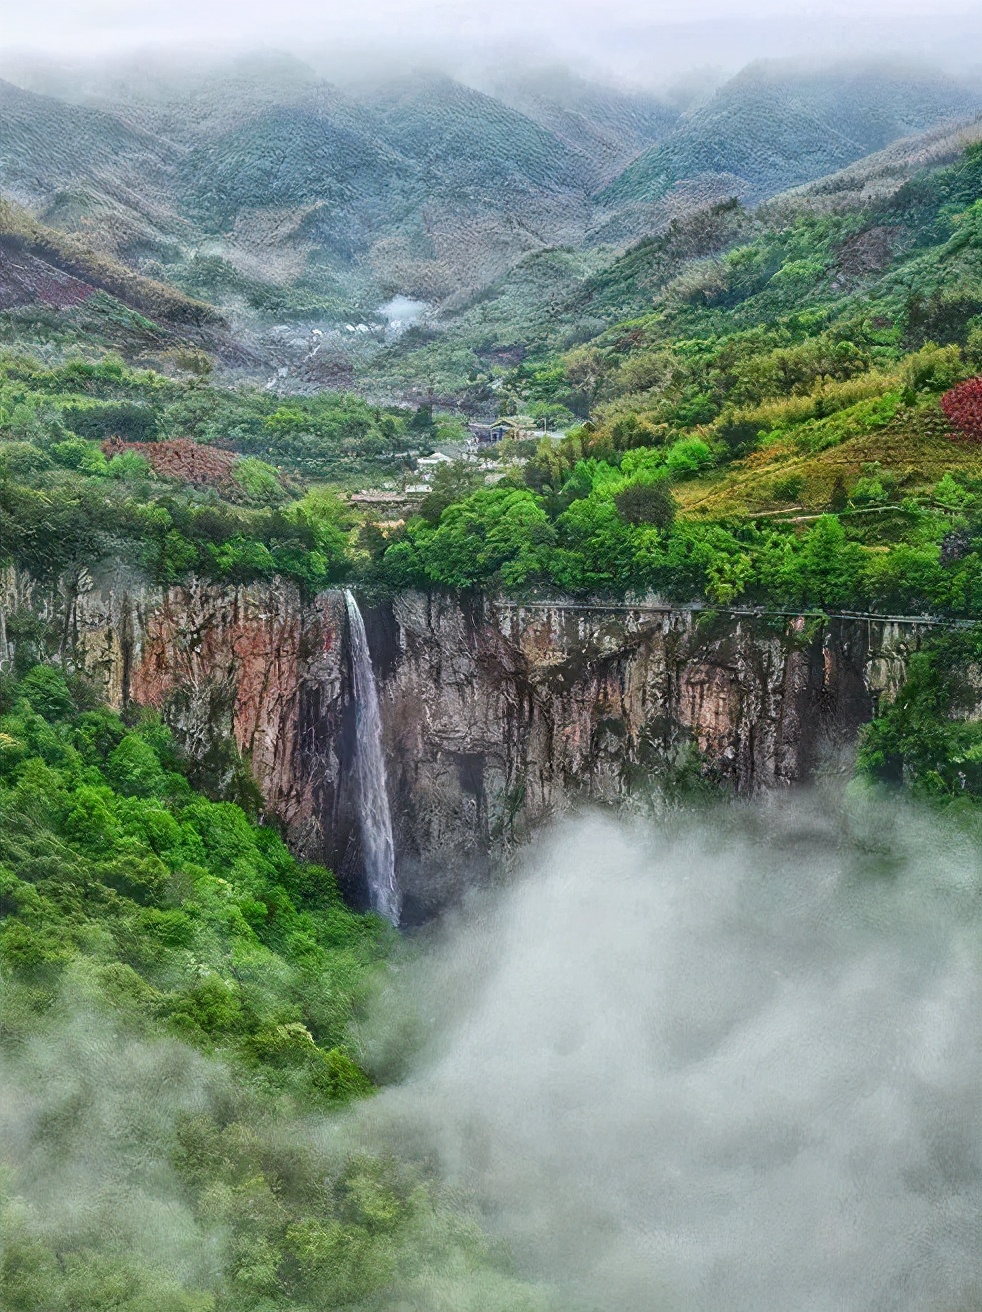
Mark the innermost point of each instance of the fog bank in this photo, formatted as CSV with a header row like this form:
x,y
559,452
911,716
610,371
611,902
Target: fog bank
x,y
87,1116
725,1060
731,1064
642,42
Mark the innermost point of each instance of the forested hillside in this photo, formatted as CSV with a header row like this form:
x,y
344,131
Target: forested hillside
x,y
177,1006
771,127
783,425
284,199
100,462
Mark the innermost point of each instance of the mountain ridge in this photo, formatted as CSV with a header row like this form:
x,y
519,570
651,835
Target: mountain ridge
x,y
280,197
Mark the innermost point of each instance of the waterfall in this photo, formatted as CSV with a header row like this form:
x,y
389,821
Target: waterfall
x,y
373,796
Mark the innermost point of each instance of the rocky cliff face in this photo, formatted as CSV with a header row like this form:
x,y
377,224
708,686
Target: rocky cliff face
x,y
495,716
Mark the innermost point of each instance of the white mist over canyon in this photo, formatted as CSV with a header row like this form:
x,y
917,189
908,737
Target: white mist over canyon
x,y
732,1064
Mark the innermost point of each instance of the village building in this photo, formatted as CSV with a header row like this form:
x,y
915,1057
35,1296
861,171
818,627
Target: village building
x,y
488,434
431,462
384,500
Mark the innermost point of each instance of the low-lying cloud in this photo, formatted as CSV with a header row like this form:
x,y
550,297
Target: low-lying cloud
x,y
87,1117
643,40
728,1061
731,1063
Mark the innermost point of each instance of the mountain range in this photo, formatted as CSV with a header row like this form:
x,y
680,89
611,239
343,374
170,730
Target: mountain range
x,y
275,196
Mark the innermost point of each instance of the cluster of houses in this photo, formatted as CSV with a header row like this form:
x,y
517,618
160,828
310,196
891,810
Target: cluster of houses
x,y
482,436
411,495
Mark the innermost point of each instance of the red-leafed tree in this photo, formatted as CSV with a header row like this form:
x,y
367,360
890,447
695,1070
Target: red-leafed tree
x,y
963,407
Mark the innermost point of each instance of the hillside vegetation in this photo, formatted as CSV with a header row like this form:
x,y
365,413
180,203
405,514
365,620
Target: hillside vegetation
x,y
281,198
550,302
770,431
177,993
19,232
773,127
100,462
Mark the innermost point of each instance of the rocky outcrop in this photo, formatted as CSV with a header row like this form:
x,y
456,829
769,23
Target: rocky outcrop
x,y
495,715
498,715
251,665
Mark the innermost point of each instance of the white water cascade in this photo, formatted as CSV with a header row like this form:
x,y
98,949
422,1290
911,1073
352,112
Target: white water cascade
x,y
373,795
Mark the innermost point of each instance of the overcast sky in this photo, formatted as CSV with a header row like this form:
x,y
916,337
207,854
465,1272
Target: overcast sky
x,y
629,36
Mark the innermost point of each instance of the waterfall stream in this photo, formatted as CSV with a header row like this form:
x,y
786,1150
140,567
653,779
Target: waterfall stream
x,y
374,815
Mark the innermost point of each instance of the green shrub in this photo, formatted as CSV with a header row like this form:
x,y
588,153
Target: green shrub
x,y
47,690
134,769
646,502
258,479
922,739
129,420
688,456
18,459
128,464
74,453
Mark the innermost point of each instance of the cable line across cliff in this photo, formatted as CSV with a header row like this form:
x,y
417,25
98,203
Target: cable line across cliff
x,y
696,607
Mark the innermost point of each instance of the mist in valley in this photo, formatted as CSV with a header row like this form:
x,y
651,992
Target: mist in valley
x,y
721,1060
731,1062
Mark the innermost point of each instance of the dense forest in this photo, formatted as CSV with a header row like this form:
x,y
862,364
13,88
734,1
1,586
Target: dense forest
x,y
141,922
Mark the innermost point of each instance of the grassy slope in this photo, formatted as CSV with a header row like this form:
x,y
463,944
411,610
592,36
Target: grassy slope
x,y
59,291
916,452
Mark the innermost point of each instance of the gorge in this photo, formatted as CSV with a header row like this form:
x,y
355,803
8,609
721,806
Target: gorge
x,y
494,715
